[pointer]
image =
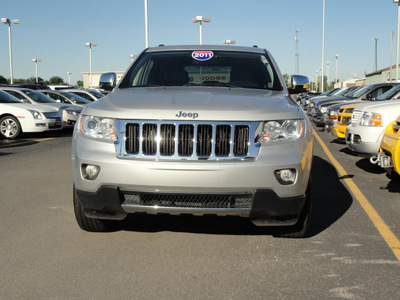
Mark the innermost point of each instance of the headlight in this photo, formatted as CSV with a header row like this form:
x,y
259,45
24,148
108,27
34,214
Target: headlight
x,y
36,115
275,131
371,119
324,109
73,112
99,128
333,114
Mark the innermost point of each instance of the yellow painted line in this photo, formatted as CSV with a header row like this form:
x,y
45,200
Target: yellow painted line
x,y
26,142
392,241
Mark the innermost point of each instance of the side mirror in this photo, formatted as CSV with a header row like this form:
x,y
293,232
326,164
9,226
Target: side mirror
x,y
108,81
299,84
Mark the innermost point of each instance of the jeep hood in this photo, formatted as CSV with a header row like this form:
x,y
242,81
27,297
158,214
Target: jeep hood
x,y
200,103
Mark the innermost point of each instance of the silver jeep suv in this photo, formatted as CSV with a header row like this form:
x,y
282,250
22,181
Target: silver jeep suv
x,y
195,130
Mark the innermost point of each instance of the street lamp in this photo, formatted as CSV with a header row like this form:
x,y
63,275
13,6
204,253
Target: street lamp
x,y
69,77
336,79
8,22
200,19
296,54
323,45
146,23
90,45
132,56
327,72
376,54
228,42
36,61
398,38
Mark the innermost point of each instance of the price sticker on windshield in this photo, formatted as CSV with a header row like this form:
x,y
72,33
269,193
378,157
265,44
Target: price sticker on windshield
x,y
202,55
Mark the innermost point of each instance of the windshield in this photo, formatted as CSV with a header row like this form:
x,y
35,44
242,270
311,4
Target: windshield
x,y
390,94
38,97
75,98
97,94
359,93
7,98
203,68
340,92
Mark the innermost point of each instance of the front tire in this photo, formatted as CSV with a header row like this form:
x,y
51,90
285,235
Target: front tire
x,y
10,127
90,224
301,228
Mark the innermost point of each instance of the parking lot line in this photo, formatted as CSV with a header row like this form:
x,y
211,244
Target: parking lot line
x,y
25,142
392,241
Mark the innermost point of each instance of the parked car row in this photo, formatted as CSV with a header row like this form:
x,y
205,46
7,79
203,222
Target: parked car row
x,y
30,110
368,122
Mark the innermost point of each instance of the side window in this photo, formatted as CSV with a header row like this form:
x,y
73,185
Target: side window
x,y
379,91
19,96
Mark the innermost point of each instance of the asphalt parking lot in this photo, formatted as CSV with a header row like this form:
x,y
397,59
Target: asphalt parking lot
x,y
353,251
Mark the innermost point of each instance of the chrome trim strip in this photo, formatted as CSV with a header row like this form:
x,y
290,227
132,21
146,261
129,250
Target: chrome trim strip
x,y
242,212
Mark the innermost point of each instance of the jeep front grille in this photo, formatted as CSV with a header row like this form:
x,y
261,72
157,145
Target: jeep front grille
x,y
186,140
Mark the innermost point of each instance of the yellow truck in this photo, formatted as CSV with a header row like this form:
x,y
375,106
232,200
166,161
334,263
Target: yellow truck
x,y
344,119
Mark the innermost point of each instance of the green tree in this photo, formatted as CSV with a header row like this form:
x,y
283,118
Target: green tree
x,y
56,80
287,79
3,80
79,83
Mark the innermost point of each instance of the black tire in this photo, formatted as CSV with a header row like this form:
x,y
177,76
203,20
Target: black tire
x,y
90,224
301,228
10,128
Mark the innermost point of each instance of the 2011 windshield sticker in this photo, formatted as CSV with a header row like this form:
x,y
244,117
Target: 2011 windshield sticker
x,y
202,55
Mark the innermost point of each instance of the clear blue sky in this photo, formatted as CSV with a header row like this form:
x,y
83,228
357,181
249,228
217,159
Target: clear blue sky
x,y
56,31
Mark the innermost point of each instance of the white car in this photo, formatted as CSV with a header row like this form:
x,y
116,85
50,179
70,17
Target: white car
x,y
68,112
17,117
368,123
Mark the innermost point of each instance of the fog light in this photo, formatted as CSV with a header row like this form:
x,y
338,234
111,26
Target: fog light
x,y
286,176
90,171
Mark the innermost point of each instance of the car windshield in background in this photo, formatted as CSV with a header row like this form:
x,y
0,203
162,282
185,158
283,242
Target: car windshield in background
x,y
203,68
75,98
362,91
38,97
96,94
390,94
7,98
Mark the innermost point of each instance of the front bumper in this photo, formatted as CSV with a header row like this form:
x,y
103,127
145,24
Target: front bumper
x,y
339,130
364,139
271,202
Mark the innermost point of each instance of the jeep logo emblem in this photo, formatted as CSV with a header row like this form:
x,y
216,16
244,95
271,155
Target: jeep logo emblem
x,y
190,115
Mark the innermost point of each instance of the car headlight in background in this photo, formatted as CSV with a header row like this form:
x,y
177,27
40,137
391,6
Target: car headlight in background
x,y
286,130
333,114
36,115
99,128
371,119
324,109
73,112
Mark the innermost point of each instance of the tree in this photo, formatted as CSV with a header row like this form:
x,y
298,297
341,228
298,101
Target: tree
x,y
56,80
79,83
287,79
3,80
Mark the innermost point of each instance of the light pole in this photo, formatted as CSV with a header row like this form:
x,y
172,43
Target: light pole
x,y
398,38
36,61
69,77
146,23
376,54
228,42
200,19
327,73
316,81
323,45
132,56
8,22
336,79
90,45
296,54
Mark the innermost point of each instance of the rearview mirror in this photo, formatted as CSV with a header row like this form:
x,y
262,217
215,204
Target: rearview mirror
x,y
299,84
108,81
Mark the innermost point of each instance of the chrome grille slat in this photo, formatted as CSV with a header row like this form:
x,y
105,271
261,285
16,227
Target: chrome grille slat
x,y
188,140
